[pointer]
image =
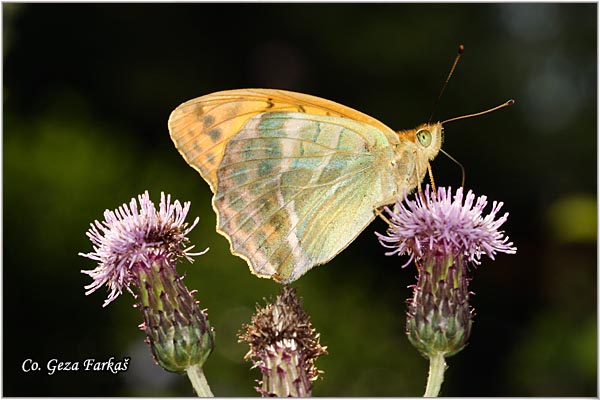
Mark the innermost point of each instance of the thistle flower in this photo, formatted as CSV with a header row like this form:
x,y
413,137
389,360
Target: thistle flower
x,y
130,239
443,234
284,346
138,246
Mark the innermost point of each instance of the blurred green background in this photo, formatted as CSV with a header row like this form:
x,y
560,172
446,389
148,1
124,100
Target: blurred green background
x,y
88,90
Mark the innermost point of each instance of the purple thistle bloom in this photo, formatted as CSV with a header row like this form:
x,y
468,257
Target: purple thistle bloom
x,y
130,238
446,225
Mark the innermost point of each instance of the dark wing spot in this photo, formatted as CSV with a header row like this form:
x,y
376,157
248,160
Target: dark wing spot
x,y
208,120
215,134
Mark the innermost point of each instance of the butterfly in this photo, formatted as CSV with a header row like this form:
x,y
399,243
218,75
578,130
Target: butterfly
x,y
296,178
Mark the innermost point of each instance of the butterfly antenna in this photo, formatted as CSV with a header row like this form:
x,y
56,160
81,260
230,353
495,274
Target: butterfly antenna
x,y
462,169
461,50
508,103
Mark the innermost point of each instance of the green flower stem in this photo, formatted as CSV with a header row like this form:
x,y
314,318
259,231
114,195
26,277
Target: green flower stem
x,y
437,367
196,375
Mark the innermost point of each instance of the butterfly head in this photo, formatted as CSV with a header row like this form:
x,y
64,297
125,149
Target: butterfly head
x,y
428,139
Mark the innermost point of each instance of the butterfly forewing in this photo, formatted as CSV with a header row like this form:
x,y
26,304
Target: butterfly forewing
x,y
202,127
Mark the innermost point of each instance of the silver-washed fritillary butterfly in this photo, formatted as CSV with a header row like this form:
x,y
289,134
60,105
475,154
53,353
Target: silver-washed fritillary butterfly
x,y
296,178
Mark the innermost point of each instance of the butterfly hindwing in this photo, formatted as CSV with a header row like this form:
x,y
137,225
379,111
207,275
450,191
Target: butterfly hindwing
x,y
294,190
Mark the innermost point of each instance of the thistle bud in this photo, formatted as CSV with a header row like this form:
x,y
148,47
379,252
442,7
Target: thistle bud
x,y
177,330
439,314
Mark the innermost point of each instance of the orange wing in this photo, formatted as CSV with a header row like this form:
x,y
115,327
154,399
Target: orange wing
x,y
202,127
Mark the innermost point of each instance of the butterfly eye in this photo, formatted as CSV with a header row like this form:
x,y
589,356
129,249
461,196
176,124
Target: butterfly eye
x,y
424,137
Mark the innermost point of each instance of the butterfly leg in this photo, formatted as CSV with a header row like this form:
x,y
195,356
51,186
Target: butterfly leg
x,y
431,179
379,213
418,266
419,188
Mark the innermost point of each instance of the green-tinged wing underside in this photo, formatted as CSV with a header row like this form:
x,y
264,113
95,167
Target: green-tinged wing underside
x,y
295,189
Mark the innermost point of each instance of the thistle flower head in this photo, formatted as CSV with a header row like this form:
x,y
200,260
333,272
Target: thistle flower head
x,y
133,237
442,234
446,224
